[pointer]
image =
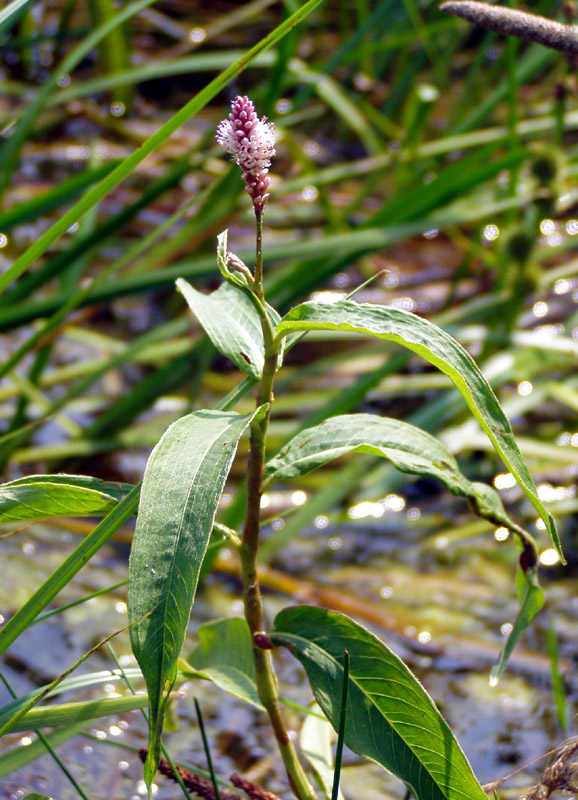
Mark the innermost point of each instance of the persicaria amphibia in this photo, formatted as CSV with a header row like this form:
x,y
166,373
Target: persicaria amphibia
x,y
251,141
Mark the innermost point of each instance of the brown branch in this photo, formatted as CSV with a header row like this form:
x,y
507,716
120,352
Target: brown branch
x,y
204,788
253,790
510,21
192,781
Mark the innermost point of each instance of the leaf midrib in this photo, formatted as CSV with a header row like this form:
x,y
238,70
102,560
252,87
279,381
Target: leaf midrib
x,y
175,548
368,696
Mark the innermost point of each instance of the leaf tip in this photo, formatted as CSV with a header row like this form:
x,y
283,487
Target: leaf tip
x,y
181,285
494,678
150,767
552,530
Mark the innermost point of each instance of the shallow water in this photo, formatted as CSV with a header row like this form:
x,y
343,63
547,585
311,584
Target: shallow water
x,y
442,610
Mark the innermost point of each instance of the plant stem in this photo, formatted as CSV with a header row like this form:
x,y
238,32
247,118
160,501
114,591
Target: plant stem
x,y
265,674
259,255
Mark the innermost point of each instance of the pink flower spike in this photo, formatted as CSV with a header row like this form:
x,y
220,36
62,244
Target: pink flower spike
x,y
251,142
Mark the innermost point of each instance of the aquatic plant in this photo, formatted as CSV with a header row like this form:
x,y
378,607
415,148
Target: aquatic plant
x,y
390,718
177,532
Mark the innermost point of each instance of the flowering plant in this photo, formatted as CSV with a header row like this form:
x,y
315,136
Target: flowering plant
x,y
363,689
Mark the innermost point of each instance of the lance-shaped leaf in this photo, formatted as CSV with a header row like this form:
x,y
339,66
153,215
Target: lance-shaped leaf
x,y
229,316
410,449
441,350
182,484
390,717
42,496
37,796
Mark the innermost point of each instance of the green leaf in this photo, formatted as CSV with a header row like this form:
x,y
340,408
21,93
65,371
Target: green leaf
x,y
531,602
441,350
41,496
183,482
390,717
229,316
47,499
410,449
232,324
72,713
115,489
225,656
487,503
36,796
315,744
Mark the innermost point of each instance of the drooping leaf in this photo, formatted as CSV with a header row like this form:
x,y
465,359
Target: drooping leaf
x,y
315,744
390,717
441,350
183,482
42,496
409,448
531,601
225,656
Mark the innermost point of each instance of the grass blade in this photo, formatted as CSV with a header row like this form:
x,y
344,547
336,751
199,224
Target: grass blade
x,y
158,138
61,576
207,750
341,731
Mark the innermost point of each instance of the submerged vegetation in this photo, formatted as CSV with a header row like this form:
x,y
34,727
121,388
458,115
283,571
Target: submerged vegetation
x,y
411,293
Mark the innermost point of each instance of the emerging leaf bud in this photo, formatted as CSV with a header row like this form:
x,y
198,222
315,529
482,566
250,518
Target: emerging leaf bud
x,y
251,141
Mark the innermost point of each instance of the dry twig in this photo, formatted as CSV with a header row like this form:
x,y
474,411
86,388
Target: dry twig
x,y
510,21
204,788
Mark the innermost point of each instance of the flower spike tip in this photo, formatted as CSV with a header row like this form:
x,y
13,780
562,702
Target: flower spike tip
x,y
251,142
